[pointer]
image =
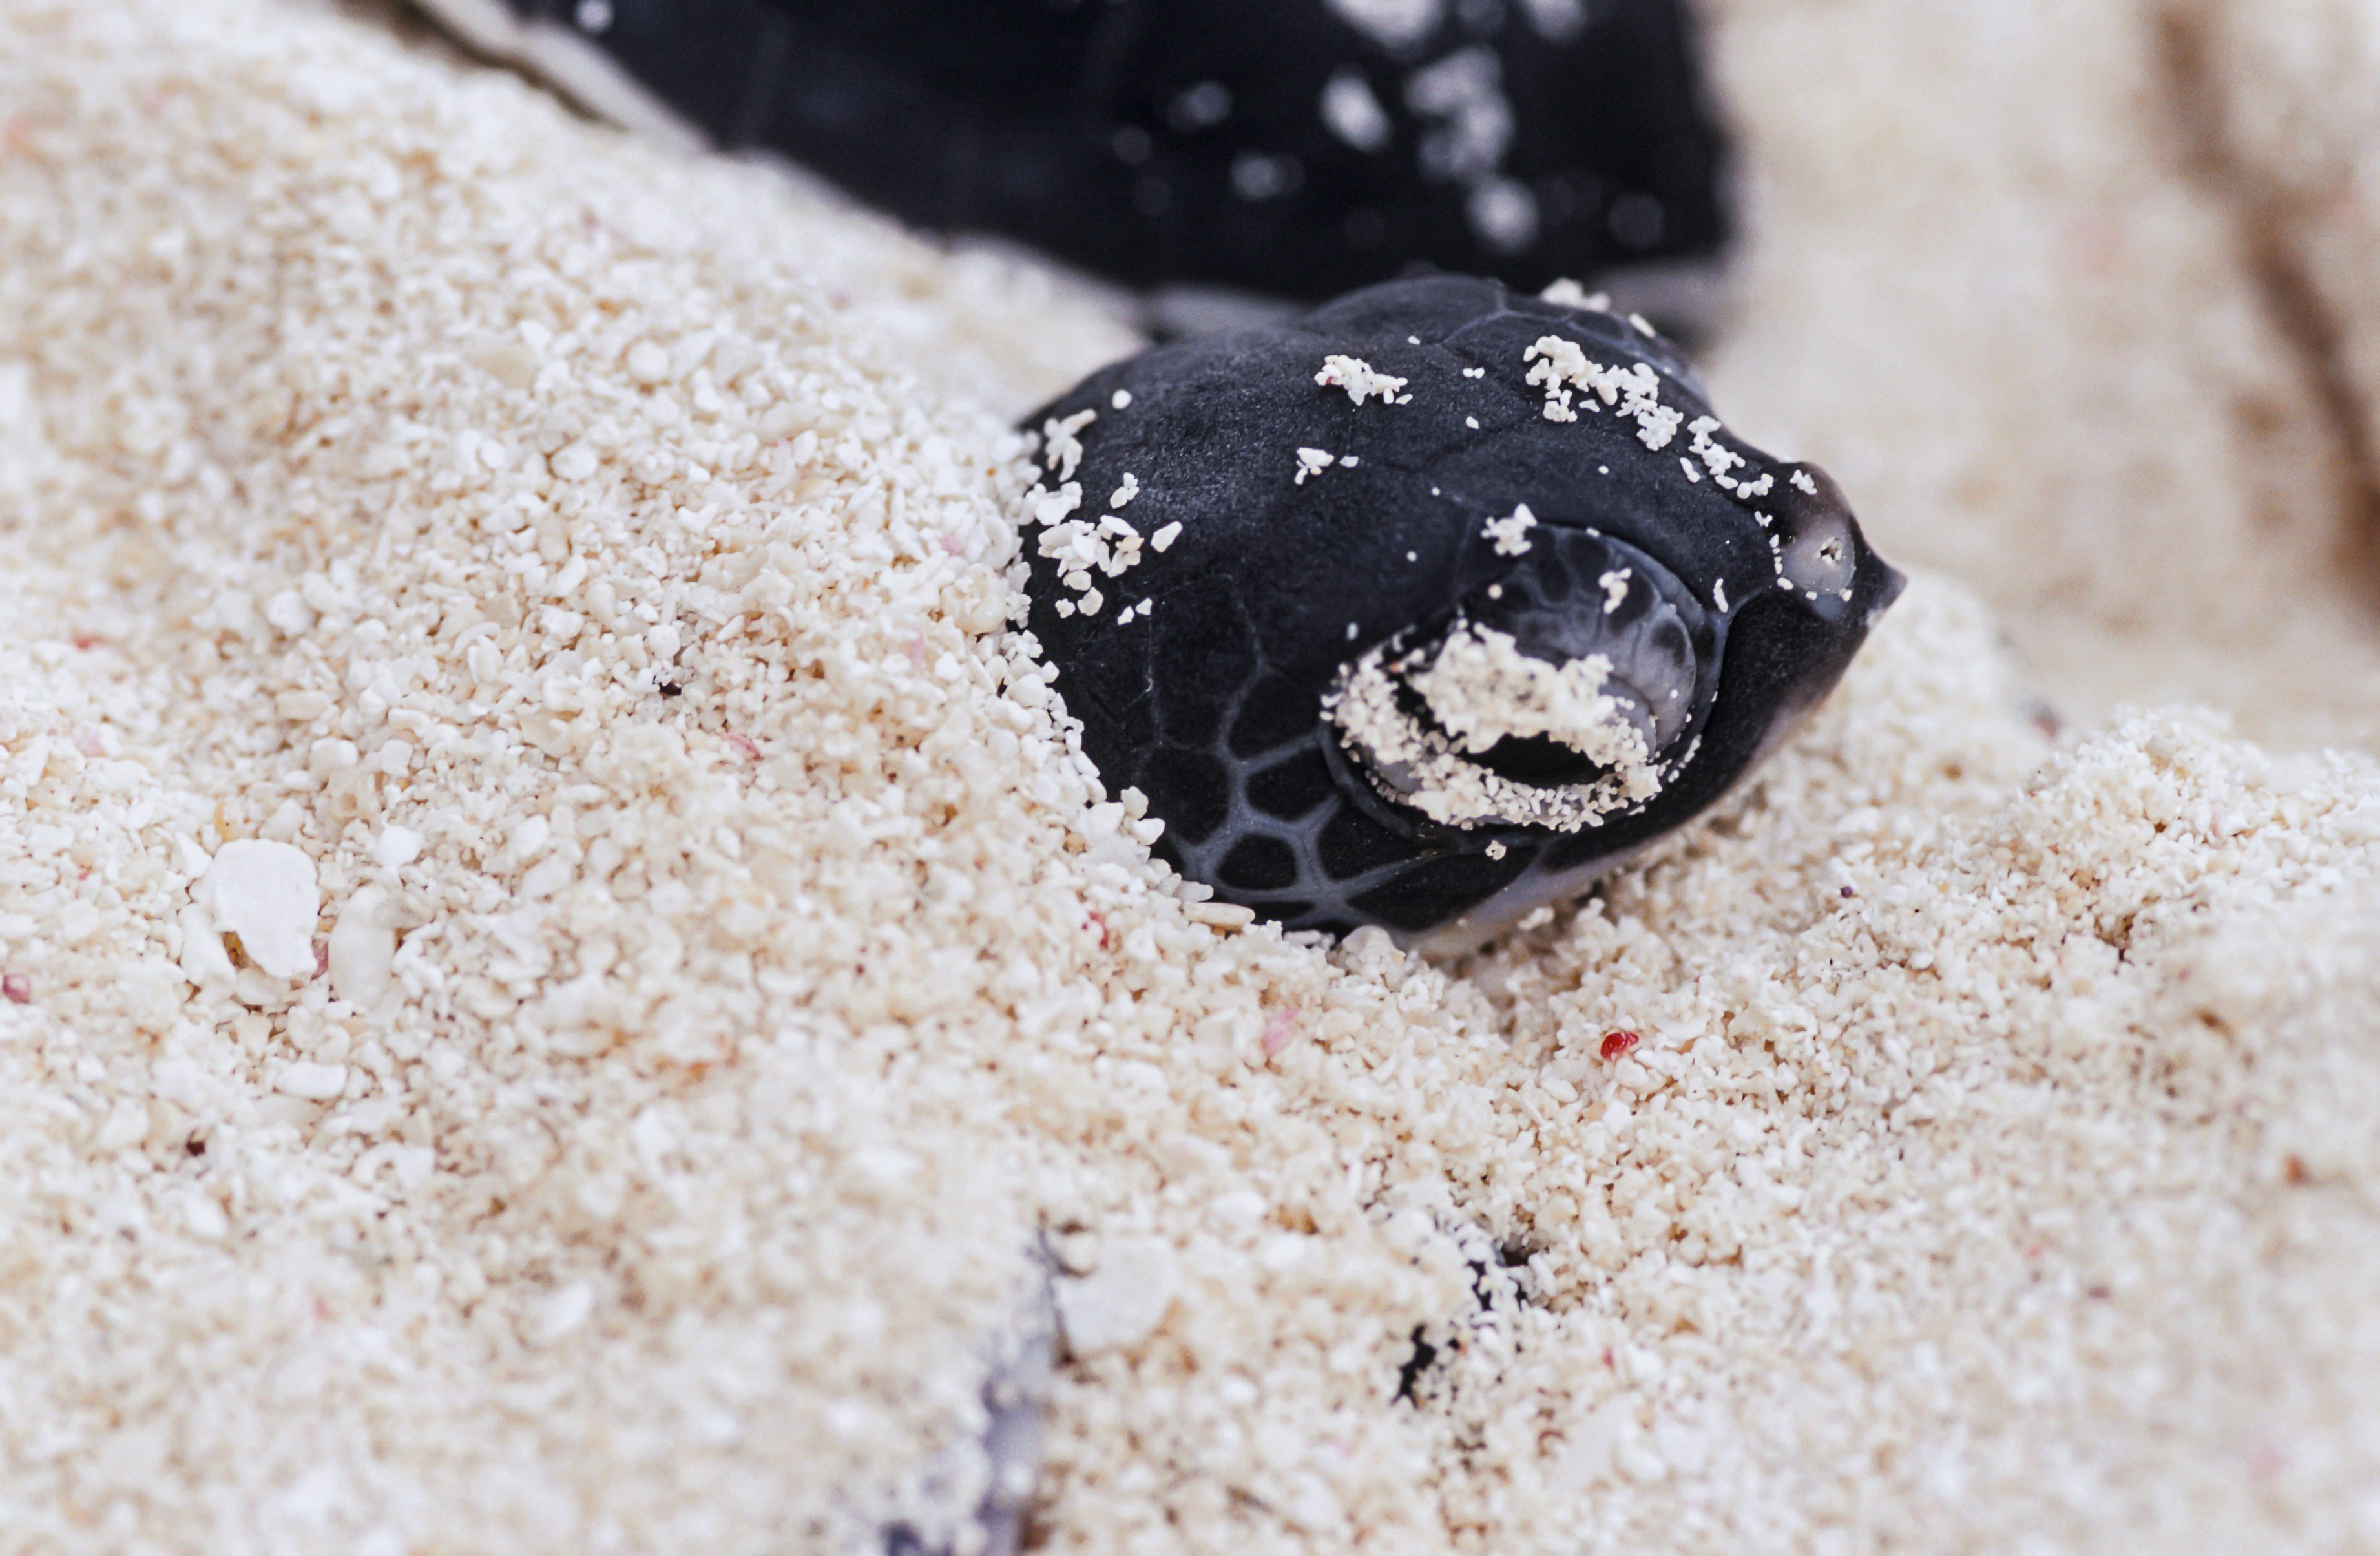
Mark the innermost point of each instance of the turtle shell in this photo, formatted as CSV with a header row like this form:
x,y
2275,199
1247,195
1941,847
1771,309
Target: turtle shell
x,y
1430,607
1288,147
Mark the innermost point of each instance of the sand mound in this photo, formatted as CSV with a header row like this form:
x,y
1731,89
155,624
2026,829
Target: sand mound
x,y
594,568
2008,283
2291,122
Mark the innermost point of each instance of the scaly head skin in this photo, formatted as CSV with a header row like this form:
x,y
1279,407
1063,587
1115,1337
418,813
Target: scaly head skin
x,y
1471,596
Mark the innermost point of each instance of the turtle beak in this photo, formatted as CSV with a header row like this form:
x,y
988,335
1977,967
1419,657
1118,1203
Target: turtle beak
x,y
1888,584
1882,583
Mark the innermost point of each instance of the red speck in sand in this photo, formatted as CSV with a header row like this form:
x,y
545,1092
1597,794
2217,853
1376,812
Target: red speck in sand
x,y
18,989
1094,923
84,641
750,751
1277,1027
1617,1044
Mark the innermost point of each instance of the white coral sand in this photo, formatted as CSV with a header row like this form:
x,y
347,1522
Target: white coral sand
x,y
597,565
2002,287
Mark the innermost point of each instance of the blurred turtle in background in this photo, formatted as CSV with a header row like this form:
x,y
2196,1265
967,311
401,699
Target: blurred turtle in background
x,y
1203,152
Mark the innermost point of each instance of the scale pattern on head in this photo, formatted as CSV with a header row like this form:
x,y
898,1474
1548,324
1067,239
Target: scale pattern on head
x,y
1430,607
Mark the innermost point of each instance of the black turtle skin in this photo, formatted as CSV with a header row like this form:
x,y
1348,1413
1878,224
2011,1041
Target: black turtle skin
x,y
1212,704
1184,142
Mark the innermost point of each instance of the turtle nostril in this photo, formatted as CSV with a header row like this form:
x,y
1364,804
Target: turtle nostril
x,y
1819,559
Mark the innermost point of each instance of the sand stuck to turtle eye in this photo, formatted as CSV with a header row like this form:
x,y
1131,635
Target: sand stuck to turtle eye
x,y
1480,688
597,565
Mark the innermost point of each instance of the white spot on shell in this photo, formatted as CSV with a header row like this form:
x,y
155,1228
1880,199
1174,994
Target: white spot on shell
x,y
1570,294
1394,23
1257,176
1359,377
1198,106
1505,214
1512,533
1557,21
1062,446
1351,111
1566,372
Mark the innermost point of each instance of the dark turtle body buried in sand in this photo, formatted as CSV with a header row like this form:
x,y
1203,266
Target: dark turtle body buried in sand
x,y
1287,148
1430,607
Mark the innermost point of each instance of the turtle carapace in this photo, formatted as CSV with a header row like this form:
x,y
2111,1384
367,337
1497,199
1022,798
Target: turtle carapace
x,y
1285,148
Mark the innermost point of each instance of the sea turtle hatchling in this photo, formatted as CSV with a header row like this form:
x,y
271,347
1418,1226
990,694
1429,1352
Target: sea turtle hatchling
x,y
1427,608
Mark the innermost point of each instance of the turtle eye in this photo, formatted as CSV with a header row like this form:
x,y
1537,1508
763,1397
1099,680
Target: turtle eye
x,y
1541,703
1511,710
